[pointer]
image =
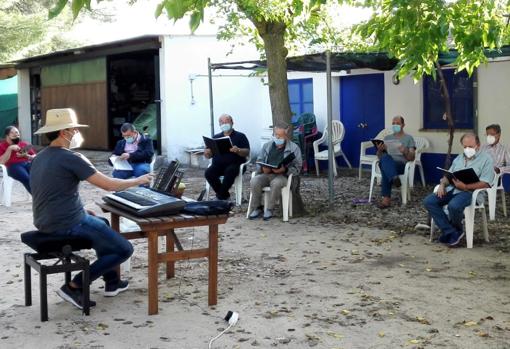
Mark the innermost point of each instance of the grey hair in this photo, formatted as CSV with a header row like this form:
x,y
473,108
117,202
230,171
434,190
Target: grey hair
x,y
127,127
494,127
226,116
470,134
401,118
281,125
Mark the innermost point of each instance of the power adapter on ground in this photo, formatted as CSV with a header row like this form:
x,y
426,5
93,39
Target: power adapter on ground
x,y
232,317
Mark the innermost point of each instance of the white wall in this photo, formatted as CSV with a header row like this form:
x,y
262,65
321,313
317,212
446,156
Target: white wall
x,y
243,97
494,98
24,115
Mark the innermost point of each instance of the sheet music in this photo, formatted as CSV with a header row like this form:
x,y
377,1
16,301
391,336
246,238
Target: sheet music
x,y
120,164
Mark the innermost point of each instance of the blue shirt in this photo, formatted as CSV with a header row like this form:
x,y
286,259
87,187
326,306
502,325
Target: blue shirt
x,y
481,163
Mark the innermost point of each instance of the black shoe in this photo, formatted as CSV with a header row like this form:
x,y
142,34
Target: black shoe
x,y
111,289
73,296
396,182
455,241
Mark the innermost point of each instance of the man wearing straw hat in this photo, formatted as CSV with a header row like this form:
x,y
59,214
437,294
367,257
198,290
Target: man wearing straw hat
x,y
57,208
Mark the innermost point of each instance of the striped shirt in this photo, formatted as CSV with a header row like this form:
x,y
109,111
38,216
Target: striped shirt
x,y
500,154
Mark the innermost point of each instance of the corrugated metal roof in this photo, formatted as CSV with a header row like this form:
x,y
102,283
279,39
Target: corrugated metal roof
x,y
81,53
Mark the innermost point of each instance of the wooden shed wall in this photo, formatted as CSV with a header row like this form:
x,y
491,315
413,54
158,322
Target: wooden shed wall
x,y
89,100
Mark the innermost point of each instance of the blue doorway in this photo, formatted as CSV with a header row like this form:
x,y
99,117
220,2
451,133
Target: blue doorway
x,y
361,111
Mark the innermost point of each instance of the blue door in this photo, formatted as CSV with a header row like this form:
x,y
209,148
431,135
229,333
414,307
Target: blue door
x,y
361,111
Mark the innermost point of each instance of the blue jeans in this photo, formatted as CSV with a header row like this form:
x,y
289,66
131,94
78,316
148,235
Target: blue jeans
x,y
451,224
21,173
111,248
389,170
139,169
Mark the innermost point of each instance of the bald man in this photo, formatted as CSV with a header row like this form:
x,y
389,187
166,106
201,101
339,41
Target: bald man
x,y
226,165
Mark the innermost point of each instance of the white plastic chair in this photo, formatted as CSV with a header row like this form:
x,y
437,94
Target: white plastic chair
x,y
405,180
469,218
492,194
7,187
238,184
337,137
368,159
286,200
421,145
7,184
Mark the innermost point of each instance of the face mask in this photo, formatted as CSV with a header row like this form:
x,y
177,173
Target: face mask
x,y
226,127
76,141
469,152
278,141
396,128
130,140
491,140
15,140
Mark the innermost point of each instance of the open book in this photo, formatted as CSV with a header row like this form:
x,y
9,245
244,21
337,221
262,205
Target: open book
x,y
377,142
218,146
466,176
286,160
120,164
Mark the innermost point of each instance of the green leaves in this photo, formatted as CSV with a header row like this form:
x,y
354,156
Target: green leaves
x,y
55,11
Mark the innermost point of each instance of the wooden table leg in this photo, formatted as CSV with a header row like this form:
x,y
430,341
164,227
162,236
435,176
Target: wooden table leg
x,y
170,266
153,272
213,264
115,223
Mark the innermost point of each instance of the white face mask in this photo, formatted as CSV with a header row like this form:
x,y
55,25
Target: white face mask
x,y
491,140
469,152
76,140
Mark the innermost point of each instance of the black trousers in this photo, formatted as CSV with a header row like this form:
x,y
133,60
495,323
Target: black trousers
x,y
229,173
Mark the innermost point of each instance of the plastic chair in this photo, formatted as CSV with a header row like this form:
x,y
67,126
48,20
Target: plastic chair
x,y
368,159
337,137
238,184
305,130
492,194
469,218
422,144
286,200
7,183
405,180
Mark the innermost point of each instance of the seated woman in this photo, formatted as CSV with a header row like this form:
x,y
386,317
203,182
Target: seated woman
x,y
17,156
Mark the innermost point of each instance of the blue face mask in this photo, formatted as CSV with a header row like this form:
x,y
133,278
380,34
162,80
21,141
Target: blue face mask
x,y
396,128
130,140
278,141
226,127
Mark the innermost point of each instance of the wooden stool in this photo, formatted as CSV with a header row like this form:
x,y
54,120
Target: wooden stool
x,y
49,246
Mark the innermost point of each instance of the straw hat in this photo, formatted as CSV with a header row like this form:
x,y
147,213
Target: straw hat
x,y
59,119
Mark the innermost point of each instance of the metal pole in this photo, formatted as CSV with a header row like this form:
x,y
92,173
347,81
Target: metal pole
x,y
211,105
331,156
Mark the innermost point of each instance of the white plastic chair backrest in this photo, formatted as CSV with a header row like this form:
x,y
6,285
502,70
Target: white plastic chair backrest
x,y
337,134
383,133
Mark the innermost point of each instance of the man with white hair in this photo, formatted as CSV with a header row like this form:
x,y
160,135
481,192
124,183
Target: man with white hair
x,y
456,194
54,178
274,152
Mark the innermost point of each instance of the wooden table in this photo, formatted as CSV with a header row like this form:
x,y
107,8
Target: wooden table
x,y
152,228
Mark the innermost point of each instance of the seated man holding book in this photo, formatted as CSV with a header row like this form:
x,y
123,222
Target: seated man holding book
x,y
456,193
277,159
393,153
225,160
134,152
500,154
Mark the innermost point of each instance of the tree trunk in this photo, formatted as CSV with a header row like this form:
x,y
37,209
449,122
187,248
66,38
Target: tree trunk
x,y
273,35
448,112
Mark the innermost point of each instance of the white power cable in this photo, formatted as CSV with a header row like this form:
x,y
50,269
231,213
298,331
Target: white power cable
x,y
232,321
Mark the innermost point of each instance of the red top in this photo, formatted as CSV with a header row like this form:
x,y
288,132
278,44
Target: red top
x,y
15,159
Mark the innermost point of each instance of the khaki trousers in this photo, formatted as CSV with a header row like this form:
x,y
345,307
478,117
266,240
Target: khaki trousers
x,y
274,181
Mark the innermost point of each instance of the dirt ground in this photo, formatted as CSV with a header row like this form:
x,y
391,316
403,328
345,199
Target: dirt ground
x,y
350,276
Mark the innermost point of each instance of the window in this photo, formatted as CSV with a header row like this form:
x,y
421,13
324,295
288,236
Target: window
x,y
300,96
460,87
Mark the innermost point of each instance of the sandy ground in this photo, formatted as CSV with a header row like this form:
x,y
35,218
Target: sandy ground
x,y
347,277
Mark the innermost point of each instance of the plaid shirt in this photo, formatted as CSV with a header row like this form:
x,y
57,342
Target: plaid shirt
x,y
500,154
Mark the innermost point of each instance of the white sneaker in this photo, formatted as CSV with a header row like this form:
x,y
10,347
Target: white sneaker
x,y
255,214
